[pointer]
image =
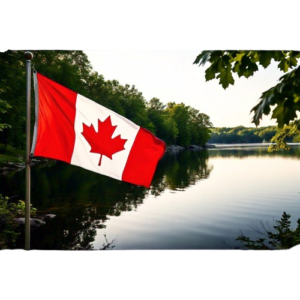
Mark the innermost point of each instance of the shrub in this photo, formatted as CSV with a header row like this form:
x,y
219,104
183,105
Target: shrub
x,y
280,237
9,228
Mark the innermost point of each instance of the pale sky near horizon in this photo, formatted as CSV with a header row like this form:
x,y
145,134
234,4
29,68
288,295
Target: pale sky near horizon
x,y
172,76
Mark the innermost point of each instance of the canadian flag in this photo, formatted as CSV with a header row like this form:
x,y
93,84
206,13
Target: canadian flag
x,y
72,128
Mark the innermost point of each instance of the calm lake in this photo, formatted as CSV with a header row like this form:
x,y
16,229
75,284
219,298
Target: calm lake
x,y
198,200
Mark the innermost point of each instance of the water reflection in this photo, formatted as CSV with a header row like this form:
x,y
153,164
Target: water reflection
x,y
179,170
83,201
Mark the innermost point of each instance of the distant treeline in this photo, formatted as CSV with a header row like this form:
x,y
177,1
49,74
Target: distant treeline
x,y
241,134
174,123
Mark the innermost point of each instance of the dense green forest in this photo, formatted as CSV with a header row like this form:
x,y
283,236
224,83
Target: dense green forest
x,y
241,134
173,123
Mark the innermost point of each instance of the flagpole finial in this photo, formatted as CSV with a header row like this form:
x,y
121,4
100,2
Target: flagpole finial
x,y
28,55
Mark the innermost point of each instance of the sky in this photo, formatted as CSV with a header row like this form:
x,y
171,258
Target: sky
x,y
171,76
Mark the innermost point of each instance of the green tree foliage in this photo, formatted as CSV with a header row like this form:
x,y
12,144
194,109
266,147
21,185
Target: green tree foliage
x,y
285,96
198,126
156,114
9,228
193,126
288,132
178,123
266,133
280,237
66,67
12,82
180,114
173,123
4,106
102,92
296,138
241,134
134,106
172,130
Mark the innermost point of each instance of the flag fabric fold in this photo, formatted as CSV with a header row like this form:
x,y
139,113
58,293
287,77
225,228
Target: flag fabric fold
x,y
74,129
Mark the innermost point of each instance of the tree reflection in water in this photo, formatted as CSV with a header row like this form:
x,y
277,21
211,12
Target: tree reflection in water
x,y
83,201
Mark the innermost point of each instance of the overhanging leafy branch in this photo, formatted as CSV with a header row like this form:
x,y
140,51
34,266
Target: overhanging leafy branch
x,y
284,96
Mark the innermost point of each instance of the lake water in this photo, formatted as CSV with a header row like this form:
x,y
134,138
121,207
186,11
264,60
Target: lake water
x,y
198,200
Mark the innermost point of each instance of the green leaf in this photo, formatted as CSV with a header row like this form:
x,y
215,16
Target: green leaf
x,y
283,66
226,77
210,72
239,56
236,67
205,58
295,54
215,55
252,67
265,58
264,106
296,98
226,59
293,61
202,58
246,67
283,114
279,55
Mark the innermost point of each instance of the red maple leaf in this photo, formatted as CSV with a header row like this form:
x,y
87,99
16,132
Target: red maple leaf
x,y
101,141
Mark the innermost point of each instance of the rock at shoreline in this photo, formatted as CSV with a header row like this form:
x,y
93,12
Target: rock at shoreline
x,y
174,148
209,146
7,167
34,222
195,147
191,147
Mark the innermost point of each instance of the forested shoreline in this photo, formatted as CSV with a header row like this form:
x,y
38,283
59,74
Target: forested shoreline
x,y
173,123
241,134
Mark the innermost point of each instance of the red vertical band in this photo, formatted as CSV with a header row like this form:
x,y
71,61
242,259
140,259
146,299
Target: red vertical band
x,y
56,117
145,153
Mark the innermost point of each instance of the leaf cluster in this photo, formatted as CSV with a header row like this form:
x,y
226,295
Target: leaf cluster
x,y
284,96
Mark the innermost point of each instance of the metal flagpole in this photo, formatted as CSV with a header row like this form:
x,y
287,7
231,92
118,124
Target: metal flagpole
x,y
28,57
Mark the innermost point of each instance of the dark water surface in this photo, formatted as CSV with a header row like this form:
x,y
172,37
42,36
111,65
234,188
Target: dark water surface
x,y
198,200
